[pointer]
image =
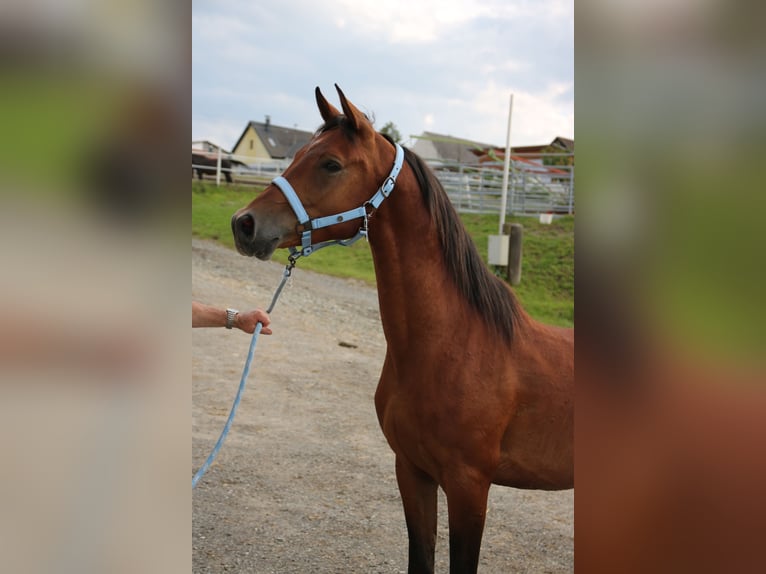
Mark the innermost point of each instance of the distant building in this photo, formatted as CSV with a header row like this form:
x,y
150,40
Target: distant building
x,y
207,147
446,150
266,141
535,160
565,144
531,153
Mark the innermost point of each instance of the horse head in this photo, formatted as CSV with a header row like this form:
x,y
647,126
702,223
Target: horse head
x,y
331,181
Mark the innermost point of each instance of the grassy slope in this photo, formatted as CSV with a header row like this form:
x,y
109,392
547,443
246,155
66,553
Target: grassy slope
x,y
547,285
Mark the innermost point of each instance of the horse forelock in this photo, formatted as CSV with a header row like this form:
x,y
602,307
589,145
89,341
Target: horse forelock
x,y
488,295
339,121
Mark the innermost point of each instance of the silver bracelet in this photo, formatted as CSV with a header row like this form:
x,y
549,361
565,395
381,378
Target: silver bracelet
x,y
231,316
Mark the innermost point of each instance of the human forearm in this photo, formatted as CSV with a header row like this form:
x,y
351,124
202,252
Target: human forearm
x,y
207,315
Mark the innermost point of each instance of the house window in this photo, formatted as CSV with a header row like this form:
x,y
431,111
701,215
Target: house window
x,y
251,144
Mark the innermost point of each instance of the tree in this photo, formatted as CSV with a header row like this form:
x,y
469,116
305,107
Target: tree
x,y
390,130
563,160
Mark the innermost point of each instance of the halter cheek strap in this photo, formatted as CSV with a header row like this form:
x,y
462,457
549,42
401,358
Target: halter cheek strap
x,y
308,224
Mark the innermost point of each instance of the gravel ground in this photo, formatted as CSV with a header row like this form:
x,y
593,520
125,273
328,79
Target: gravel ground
x,y
305,480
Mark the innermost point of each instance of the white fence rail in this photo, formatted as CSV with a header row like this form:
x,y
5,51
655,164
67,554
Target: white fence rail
x,y
533,186
238,168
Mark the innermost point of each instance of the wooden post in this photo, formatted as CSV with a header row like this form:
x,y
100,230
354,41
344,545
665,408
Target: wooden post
x,y
218,169
516,231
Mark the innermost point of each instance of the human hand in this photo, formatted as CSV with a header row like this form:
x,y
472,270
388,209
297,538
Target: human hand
x,y
247,320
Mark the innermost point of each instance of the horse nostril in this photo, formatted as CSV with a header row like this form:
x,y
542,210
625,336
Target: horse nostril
x,y
245,226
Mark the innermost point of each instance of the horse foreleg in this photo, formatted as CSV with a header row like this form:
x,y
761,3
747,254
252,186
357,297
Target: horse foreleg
x,y
467,508
418,492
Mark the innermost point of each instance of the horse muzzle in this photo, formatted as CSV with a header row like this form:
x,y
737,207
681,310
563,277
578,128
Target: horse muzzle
x,y
252,239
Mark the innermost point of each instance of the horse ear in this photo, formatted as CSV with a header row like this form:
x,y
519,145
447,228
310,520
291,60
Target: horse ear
x,y
325,108
356,118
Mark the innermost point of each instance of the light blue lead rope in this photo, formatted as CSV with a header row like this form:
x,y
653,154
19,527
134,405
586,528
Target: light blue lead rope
x,y
307,248
243,380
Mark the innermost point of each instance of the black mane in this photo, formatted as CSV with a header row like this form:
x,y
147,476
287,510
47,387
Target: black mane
x,y
488,294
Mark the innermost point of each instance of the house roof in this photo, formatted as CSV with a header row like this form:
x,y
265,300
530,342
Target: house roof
x,y
522,163
454,149
206,146
460,150
564,143
527,149
279,141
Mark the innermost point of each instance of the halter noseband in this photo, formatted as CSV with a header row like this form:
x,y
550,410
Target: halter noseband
x,y
308,224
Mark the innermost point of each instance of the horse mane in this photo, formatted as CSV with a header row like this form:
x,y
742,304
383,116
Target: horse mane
x,y
488,294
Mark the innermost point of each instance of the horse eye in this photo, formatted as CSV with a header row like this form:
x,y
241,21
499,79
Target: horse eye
x,y
331,166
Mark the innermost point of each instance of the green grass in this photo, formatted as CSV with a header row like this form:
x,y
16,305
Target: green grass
x,y
547,283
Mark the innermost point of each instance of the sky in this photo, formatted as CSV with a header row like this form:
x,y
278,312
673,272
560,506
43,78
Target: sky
x,y
443,66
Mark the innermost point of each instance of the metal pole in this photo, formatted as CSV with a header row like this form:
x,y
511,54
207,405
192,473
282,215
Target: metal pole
x,y
506,169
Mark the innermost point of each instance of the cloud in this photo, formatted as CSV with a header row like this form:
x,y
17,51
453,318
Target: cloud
x,y
537,117
427,21
445,66
221,132
403,21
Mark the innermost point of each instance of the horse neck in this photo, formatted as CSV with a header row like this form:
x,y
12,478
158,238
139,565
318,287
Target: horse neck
x,y
415,291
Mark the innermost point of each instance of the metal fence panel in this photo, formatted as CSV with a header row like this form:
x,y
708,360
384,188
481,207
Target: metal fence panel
x,y
533,187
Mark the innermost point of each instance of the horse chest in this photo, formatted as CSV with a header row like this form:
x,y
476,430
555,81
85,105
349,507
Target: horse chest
x,y
434,407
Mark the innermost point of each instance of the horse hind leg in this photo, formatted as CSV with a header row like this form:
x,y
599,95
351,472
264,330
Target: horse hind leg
x,y
467,508
419,496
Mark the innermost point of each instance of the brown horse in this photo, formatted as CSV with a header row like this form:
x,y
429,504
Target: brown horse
x,y
473,391
206,163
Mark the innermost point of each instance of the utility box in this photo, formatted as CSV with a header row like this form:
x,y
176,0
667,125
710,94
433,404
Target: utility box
x,y
498,250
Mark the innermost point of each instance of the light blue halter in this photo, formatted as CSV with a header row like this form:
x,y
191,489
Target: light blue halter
x,y
307,247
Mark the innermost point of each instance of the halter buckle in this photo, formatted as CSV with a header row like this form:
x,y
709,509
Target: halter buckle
x,y
388,186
